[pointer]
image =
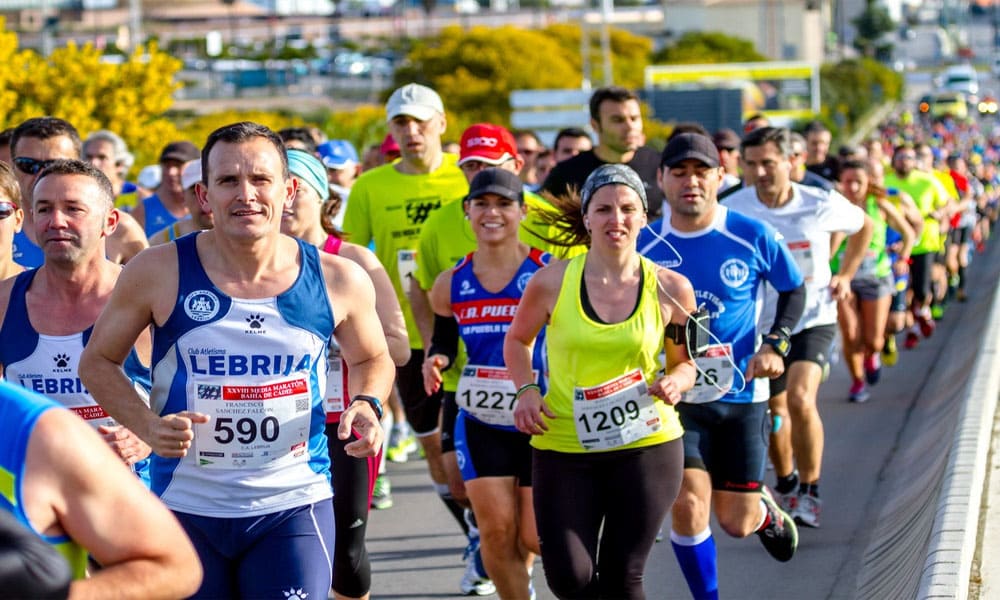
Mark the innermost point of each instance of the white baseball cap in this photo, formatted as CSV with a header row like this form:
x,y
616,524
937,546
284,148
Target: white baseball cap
x,y
191,173
414,100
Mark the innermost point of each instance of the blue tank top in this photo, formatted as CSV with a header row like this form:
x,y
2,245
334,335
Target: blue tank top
x,y
257,367
19,412
27,253
48,364
484,317
157,215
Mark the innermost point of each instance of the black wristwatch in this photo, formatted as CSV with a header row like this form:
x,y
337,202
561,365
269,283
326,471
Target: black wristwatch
x,y
374,402
779,340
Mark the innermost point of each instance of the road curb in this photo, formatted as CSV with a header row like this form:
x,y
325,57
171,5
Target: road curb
x,y
949,559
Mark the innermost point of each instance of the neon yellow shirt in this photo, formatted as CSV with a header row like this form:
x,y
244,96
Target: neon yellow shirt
x,y
390,208
929,196
585,353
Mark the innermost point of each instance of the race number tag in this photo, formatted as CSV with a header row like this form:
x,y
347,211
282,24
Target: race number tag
x,y
406,265
715,375
335,398
487,393
802,253
94,415
615,413
259,425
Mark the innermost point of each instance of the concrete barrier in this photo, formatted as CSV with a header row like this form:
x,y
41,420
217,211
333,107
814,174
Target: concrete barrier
x,y
948,564
925,534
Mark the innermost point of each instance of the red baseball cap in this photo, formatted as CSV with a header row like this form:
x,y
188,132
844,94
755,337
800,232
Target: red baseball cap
x,y
389,146
487,143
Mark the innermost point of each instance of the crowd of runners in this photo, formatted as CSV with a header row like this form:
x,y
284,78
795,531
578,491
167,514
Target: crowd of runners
x,y
263,319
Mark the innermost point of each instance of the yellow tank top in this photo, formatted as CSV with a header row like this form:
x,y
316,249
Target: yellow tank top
x,y
583,353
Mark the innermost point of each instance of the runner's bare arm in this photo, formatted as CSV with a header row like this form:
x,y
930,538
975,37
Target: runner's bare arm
x,y
363,347
681,371
74,485
854,253
128,239
386,303
440,303
423,316
145,290
533,313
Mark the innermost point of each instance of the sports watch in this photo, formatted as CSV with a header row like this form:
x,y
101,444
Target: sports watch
x,y
779,341
374,402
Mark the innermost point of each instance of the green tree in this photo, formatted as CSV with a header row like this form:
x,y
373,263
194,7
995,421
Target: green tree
x,y
873,23
708,47
629,53
475,70
851,88
73,83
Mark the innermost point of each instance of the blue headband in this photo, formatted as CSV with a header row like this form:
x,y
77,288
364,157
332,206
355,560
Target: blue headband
x,y
307,167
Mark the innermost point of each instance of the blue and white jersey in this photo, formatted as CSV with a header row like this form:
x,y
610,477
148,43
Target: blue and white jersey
x,y
27,253
484,390
156,215
48,364
726,263
257,367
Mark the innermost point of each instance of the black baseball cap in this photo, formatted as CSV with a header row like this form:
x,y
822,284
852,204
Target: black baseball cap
x,y
687,146
182,151
726,138
497,181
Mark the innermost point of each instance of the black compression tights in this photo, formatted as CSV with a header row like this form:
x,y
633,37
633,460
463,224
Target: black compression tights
x,y
629,491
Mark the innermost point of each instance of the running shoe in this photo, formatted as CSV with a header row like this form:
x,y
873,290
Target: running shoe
x,y
912,339
961,296
925,320
401,444
890,352
873,369
858,392
788,501
474,580
806,512
937,313
780,536
382,495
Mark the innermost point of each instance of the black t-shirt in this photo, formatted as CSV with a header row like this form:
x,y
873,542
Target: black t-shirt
x,y
572,172
829,169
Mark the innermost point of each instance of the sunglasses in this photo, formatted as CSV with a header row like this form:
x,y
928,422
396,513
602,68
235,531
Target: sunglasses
x,y
6,209
31,166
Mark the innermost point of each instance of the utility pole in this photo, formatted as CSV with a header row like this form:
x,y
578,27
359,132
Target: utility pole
x,y
607,11
134,23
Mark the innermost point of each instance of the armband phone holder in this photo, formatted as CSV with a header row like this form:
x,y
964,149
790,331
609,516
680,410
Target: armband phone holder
x,y
698,331
694,335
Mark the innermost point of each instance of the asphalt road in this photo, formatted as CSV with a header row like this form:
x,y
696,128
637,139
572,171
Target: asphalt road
x,y
417,549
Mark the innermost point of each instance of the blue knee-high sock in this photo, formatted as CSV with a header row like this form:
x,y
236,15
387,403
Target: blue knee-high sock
x,y
696,556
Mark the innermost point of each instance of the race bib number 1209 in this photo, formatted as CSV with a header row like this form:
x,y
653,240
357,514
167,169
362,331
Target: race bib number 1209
x,y
615,413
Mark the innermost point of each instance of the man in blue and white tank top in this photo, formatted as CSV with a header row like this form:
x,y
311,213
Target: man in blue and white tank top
x,y
242,317
46,314
166,206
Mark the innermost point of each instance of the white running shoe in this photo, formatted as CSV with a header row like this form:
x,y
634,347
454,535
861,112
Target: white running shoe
x,y
474,580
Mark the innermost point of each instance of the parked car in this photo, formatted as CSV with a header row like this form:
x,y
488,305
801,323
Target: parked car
x,y
961,78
